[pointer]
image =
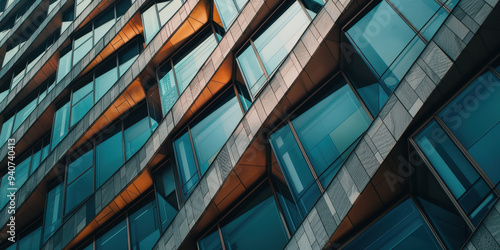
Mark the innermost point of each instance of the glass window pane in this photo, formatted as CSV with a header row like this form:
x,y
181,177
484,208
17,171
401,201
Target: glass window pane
x,y
80,109
83,91
64,65
109,157
227,11
251,70
151,23
380,36
127,57
210,134
24,113
53,211
297,173
6,130
402,228
434,23
32,240
60,128
331,126
79,165
184,157
81,51
210,242
103,23
189,65
168,89
79,190
168,12
35,162
256,224
166,195
274,44
106,76
144,228
418,12
116,238
137,131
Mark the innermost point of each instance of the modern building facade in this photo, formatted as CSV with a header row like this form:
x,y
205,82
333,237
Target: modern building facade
x,y
249,124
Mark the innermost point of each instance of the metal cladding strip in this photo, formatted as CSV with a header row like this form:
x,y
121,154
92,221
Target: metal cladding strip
x,y
487,235
131,169
248,129
402,106
72,75
28,13
47,54
106,101
51,96
7,11
35,35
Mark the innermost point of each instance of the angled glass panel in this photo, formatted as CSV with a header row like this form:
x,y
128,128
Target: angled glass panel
x,y
210,134
190,64
137,131
417,12
80,109
402,228
6,130
168,11
61,120
144,227
293,164
251,69
228,11
109,156
21,175
168,88
32,240
150,22
105,77
64,65
103,23
184,157
79,190
83,91
81,164
53,211
127,57
166,195
116,238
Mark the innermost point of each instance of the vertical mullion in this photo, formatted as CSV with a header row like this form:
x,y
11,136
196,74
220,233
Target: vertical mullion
x,y
223,244
353,89
259,59
280,209
194,152
129,240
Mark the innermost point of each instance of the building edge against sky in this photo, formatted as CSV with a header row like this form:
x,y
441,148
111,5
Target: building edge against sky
x,y
244,124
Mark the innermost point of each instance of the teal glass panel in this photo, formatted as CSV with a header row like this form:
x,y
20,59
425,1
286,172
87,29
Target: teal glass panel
x,y
81,51
186,69
53,211
402,228
473,118
210,242
6,130
127,57
293,164
116,238
184,157
64,65
137,131
80,109
274,44
210,134
228,11
168,88
293,215
313,7
434,23
256,224
32,240
82,43
61,120
21,175
381,35
109,156
251,70
79,165
331,126
417,12
35,162
83,91
144,227
446,158
166,196
103,23
4,94
105,78
79,190
168,11
150,22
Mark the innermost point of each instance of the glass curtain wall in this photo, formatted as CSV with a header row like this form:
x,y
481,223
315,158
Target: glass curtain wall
x,y
270,46
460,144
312,145
91,88
157,15
389,38
228,10
197,147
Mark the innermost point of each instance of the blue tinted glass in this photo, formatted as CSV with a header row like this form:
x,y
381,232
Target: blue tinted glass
x,y
35,162
151,23
291,212
79,189
418,12
24,113
135,136
60,129
210,134
103,23
105,80
79,165
297,173
211,242
168,11
473,118
168,89
188,66
451,165
6,130
166,196
380,36
53,211
81,51
21,175
64,66
184,157
256,224
116,238
82,92
434,23
331,126
227,11
80,109
109,157
274,44
482,209
402,228
126,58
32,240
144,228
251,69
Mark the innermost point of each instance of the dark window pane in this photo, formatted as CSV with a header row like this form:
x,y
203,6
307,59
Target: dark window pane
x,y
211,242
116,238
79,190
184,157
61,120
32,240
166,195
109,156
53,211
144,228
